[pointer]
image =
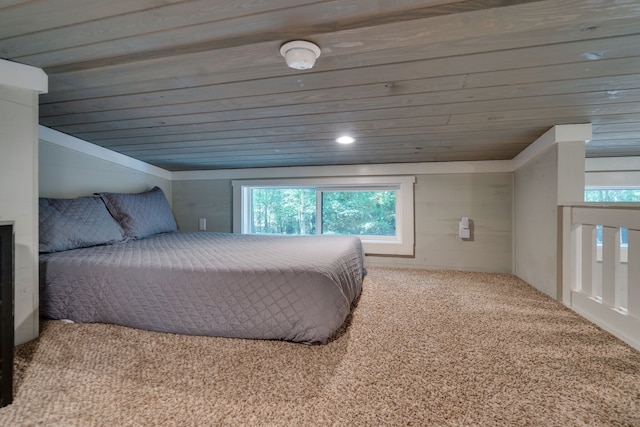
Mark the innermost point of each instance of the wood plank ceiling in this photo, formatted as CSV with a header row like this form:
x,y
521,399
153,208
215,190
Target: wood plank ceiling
x,y
200,84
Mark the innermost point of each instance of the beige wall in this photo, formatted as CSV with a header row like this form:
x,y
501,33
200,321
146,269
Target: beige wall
x,y
209,199
66,173
536,230
440,201
18,187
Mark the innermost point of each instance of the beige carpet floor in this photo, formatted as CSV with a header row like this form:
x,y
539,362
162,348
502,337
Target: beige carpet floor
x,y
422,348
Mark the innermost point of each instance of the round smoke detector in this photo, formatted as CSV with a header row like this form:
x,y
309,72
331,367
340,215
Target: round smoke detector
x,y
299,54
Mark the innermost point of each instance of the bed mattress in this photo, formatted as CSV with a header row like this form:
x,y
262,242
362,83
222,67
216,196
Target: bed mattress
x,y
290,288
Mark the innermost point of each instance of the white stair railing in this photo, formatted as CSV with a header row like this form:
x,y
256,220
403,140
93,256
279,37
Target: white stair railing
x,y
601,281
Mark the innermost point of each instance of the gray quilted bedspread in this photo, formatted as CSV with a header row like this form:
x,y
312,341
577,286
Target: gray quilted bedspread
x,y
265,287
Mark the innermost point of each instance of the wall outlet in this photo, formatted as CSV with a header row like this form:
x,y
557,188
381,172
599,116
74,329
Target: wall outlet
x,y
464,228
464,233
202,224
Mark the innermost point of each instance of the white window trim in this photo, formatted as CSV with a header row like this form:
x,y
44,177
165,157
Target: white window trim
x,y
403,245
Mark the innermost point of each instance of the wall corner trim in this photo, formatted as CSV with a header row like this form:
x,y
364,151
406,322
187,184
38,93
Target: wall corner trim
x,y
23,76
73,143
557,134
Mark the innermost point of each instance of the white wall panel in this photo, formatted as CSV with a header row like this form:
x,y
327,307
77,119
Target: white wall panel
x,y
67,173
536,213
18,186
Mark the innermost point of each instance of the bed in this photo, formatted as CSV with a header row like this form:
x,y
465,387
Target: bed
x,y
294,288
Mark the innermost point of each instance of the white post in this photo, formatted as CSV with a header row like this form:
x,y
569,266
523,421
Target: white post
x,y
568,256
633,283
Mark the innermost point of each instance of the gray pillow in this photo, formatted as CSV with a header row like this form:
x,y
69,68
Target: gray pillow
x,y
66,224
141,214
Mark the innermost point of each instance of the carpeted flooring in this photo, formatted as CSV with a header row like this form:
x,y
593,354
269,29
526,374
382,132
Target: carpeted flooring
x,y
422,348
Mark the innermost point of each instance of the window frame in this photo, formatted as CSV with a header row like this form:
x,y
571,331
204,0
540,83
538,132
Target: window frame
x,y
402,244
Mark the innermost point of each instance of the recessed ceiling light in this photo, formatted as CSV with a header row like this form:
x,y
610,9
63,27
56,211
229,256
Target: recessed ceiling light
x,y
345,140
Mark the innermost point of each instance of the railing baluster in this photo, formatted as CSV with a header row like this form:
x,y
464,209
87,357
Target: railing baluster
x,y
588,258
610,258
570,271
621,276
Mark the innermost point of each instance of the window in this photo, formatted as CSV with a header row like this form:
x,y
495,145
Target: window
x,y
280,210
617,195
378,210
358,212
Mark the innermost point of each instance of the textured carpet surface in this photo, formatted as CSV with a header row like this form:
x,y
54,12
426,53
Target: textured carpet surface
x,y
421,348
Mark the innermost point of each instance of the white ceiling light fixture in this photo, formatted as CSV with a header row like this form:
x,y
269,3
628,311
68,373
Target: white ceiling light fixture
x,y
299,54
345,140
